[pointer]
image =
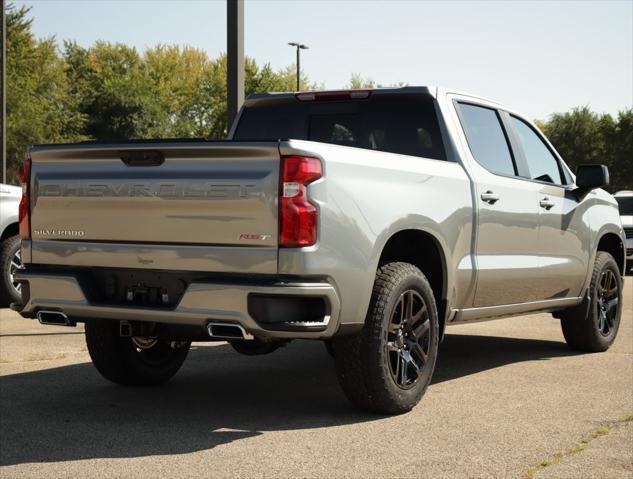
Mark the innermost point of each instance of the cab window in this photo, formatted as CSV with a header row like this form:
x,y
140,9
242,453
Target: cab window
x,y
486,138
542,164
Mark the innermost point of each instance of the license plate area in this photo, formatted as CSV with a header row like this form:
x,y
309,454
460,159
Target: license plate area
x,y
134,288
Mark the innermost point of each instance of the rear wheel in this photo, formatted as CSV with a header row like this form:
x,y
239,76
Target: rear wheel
x,y
388,366
132,361
594,329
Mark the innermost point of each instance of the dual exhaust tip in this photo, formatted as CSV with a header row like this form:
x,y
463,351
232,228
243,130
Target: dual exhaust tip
x,y
228,331
54,318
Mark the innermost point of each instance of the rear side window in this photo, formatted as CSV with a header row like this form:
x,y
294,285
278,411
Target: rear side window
x,y
397,123
486,138
541,162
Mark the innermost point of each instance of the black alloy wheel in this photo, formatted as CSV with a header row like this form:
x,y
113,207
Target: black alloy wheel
x,y
408,339
607,302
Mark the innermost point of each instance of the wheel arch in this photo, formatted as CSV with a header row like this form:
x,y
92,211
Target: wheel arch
x,y
11,230
612,244
423,250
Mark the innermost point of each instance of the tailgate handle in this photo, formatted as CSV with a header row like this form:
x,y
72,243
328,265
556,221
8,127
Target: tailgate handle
x,y
142,157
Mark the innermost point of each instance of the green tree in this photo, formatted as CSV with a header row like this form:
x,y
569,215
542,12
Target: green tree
x,y
584,137
168,91
176,77
619,140
578,135
358,82
40,108
111,88
256,80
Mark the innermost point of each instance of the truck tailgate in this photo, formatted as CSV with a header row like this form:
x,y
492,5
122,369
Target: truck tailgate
x,y
161,200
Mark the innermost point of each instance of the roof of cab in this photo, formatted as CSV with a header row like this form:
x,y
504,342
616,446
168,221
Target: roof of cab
x,y
257,97
434,91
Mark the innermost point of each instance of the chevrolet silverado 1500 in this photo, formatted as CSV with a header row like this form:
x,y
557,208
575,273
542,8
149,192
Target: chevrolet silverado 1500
x,y
369,219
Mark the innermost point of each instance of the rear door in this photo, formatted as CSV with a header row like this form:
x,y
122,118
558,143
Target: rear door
x,y
209,206
506,248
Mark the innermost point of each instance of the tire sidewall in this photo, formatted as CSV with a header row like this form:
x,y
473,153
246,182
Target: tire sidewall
x,y
9,247
117,359
157,371
593,316
413,280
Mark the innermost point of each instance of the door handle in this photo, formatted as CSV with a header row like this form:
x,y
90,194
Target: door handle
x,y
490,197
546,203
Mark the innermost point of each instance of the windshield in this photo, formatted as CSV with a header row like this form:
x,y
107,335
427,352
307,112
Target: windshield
x,y
626,205
405,124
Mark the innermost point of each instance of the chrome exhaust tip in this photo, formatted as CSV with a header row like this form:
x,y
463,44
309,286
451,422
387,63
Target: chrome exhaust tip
x,y
54,318
228,331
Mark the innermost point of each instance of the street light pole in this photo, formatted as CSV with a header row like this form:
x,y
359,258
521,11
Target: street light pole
x,y
299,47
234,58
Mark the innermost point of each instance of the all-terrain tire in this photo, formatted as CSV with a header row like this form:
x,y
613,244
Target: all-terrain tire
x,y
8,250
121,361
582,327
363,360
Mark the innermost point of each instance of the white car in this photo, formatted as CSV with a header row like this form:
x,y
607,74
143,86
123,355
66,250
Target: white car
x,y
10,260
625,202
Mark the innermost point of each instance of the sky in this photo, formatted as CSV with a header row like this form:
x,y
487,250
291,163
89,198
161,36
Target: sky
x,y
538,57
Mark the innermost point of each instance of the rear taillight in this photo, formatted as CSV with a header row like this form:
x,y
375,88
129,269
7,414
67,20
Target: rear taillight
x,y
24,210
297,215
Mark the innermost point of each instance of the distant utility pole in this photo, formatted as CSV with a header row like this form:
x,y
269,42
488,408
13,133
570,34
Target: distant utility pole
x,y
3,92
234,58
299,47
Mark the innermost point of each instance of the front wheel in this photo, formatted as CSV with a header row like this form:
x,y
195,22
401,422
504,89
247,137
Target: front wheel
x,y
594,328
137,361
387,367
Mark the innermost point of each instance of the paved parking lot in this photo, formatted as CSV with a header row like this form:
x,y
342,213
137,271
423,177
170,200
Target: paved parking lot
x,y
508,400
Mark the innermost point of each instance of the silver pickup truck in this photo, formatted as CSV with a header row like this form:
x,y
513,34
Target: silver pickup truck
x,y
369,219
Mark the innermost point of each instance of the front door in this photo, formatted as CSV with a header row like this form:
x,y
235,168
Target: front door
x,y
563,236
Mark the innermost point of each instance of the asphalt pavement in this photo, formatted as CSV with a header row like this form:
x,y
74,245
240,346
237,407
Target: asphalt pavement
x,y
509,399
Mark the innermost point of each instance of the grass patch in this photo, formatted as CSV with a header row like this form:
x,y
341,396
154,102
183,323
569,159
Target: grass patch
x,y
577,448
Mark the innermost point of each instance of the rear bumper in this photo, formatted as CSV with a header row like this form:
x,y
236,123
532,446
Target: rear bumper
x,y
201,303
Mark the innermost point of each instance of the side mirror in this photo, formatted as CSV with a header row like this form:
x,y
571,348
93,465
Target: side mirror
x,y
590,177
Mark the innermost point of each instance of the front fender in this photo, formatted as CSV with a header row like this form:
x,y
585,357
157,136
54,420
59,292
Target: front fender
x,y
604,218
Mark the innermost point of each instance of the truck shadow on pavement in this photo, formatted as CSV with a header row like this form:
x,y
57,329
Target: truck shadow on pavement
x,y
70,413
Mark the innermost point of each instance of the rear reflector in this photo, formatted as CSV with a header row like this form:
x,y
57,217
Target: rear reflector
x,y
24,210
334,95
297,215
